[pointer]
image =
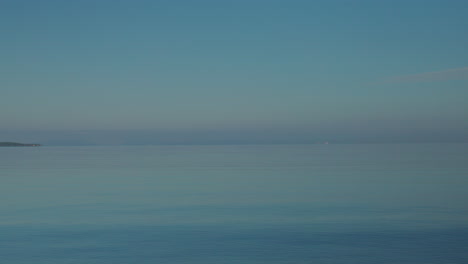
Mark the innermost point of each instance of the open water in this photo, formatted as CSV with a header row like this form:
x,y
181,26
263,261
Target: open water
x,y
363,203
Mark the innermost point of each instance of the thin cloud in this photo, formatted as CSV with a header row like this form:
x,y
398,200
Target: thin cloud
x,y
446,75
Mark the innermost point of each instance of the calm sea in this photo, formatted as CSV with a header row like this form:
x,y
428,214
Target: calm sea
x,y
353,204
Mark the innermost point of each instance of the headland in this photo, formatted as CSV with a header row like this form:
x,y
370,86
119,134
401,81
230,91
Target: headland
x,y
15,144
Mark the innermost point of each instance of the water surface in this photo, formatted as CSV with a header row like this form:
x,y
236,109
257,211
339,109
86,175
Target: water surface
x,y
369,203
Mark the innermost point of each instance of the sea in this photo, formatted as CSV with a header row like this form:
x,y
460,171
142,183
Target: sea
x,y
233,204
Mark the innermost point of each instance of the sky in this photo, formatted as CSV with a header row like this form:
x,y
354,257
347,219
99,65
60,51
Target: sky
x,y
115,72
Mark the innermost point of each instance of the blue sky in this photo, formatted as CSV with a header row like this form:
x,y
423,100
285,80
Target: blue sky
x,y
257,71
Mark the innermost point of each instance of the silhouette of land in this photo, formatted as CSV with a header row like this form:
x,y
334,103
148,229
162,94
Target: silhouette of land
x,y
14,144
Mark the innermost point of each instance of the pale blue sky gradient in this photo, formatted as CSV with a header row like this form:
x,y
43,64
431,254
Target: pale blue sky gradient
x,y
257,71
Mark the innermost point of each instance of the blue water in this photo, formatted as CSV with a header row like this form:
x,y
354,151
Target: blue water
x,y
369,203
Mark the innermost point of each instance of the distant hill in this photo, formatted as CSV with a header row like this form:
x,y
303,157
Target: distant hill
x,y
14,144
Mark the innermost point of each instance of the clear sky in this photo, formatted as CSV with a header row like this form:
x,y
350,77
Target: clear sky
x,y
243,71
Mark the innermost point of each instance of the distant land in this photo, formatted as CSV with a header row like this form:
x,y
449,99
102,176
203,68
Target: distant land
x,y
14,144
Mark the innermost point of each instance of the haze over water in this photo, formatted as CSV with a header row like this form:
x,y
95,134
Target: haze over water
x,y
180,131
358,203
139,72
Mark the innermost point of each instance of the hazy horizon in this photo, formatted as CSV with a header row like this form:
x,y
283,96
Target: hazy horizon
x,y
213,137
245,72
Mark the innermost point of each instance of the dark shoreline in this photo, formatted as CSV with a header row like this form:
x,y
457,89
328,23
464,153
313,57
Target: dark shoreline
x,y
14,144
